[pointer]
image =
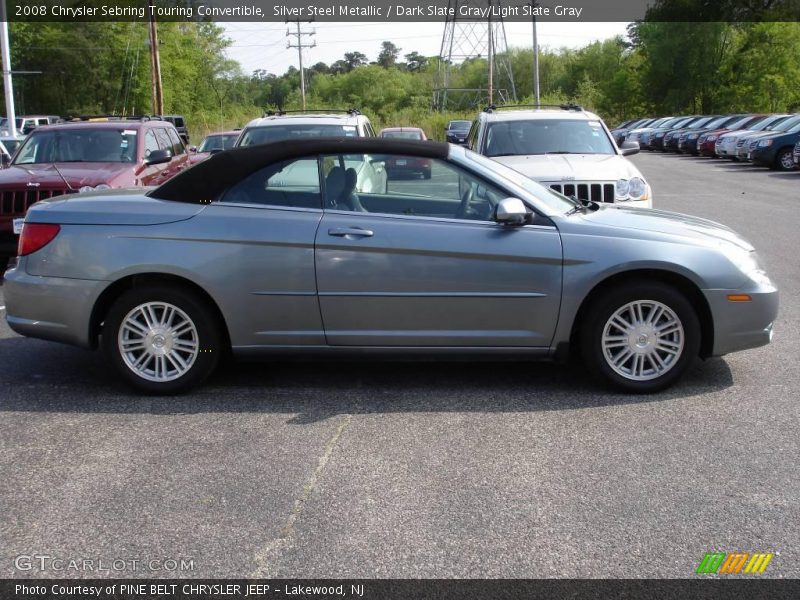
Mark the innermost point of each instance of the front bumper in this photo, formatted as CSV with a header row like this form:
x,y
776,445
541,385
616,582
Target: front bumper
x,y
50,308
763,156
742,325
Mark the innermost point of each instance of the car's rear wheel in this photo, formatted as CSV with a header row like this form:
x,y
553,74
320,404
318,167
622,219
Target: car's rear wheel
x,y
162,339
641,337
784,161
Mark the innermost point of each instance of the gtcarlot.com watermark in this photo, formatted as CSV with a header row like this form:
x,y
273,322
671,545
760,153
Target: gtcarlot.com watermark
x,y
56,564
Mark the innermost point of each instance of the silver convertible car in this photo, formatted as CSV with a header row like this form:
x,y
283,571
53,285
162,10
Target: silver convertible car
x,y
274,250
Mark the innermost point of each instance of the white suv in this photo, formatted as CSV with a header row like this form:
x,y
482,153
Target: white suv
x,y
563,147
370,175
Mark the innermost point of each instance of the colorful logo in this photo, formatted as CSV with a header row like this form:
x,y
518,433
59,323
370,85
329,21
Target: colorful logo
x,y
736,562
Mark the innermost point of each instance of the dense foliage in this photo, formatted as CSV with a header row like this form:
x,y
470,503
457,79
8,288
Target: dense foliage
x,y
662,68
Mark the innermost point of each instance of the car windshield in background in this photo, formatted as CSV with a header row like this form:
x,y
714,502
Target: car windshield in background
x,y
460,125
277,133
218,142
547,136
11,145
78,145
788,125
404,135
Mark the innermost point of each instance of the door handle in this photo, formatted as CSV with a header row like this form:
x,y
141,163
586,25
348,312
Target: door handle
x,y
350,231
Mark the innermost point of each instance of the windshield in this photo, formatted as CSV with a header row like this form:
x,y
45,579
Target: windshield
x,y
459,125
547,136
218,142
277,133
552,199
788,125
699,123
403,135
78,145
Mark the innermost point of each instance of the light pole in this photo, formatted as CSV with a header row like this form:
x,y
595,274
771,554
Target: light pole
x,y
534,5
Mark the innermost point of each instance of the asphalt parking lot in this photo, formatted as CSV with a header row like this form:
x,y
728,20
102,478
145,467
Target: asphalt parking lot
x,y
420,470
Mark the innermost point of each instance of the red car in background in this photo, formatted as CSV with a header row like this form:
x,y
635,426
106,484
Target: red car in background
x,y
406,166
85,156
213,143
707,141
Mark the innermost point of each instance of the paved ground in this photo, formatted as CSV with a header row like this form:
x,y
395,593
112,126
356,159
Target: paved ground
x,y
422,470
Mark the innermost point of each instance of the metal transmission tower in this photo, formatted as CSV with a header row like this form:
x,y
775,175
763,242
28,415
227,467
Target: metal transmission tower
x,y
464,40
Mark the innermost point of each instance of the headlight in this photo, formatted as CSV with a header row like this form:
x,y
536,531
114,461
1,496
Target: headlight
x,y
711,138
660,134
764,143
621,188
97,188
692,136
637,188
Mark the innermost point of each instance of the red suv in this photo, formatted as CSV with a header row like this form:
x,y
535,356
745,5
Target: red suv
x,y
84,156
406,166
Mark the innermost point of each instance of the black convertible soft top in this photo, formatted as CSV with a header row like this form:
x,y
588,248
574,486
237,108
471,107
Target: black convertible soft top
x,y
208,179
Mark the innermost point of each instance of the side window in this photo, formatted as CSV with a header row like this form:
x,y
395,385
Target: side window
x,y
472,136
292,183
41,121
163,139
150,143
177,144
406,185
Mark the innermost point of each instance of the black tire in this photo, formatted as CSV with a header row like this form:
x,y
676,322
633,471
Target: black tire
x,y
208,338
600,312
783,158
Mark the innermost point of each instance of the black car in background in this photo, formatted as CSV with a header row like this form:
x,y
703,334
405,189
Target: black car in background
x,y
670,143
687,142
457,131
655,138
620,132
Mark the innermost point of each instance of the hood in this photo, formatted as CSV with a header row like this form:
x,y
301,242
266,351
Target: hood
x,y
571,167
665,222
111,207
76,174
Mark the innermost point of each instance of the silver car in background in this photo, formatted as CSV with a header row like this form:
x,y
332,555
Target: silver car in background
x,y
234,255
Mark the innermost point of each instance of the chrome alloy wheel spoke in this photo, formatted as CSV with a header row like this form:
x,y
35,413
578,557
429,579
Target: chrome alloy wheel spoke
x,y
158,341
643,340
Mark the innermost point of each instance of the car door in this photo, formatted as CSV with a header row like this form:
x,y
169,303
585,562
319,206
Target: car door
x,y
258,238
180,159
149,174
423,264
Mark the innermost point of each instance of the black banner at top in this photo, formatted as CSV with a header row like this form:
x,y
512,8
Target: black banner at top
x,y
573,11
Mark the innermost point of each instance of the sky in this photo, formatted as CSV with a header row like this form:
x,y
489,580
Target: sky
x,y
263,45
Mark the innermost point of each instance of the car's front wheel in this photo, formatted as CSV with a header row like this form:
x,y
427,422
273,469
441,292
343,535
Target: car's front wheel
x,y
641,337
784,161
162,339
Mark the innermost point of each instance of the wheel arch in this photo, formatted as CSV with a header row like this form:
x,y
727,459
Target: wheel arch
x,y
682,283
120,286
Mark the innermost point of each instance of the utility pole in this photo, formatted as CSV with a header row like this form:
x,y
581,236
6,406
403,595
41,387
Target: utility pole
x,y
157,93
300,45
7,85
491,63
535,56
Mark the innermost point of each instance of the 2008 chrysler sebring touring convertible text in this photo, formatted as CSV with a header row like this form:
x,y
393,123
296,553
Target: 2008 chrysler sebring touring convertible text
x,y
290,248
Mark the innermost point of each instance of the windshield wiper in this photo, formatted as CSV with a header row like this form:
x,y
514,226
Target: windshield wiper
x,y
581,204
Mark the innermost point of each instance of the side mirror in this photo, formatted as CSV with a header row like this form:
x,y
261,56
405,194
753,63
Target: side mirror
x,y
5,160
629,148
193,149
511,211
158,157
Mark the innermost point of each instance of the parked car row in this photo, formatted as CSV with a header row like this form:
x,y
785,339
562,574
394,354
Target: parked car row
x,y
767,140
